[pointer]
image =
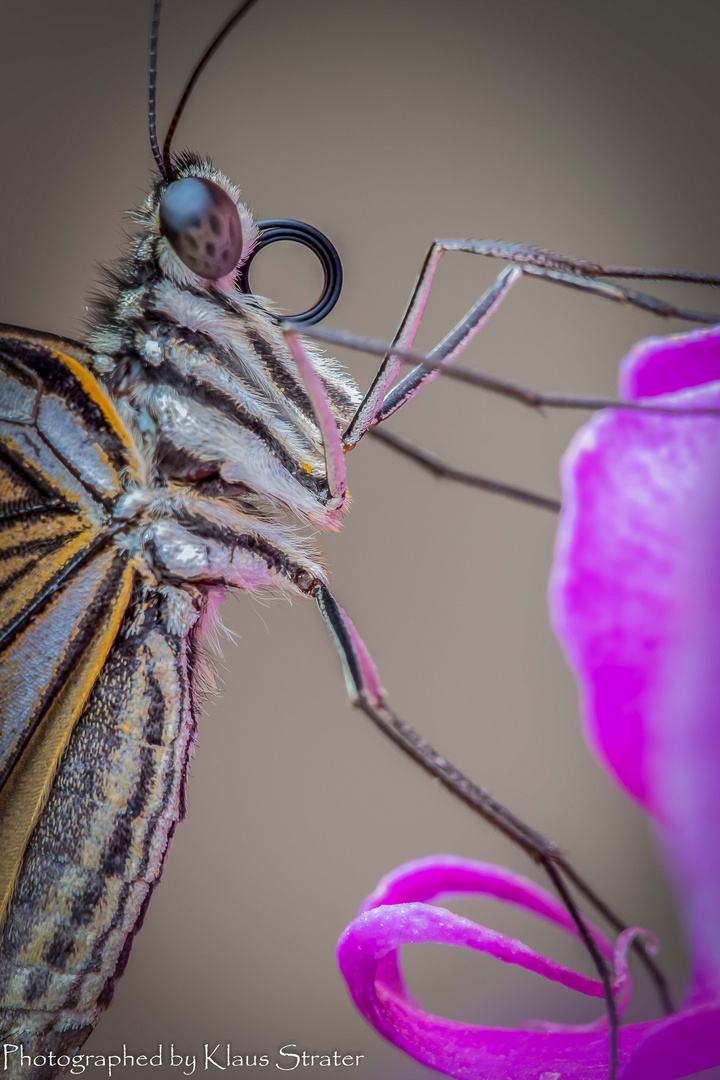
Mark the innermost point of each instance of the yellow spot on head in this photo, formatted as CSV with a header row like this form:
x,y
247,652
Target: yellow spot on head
x,y
306,467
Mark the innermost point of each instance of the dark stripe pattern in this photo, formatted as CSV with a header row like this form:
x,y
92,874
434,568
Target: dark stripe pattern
x,y
56,378
201,368
98,850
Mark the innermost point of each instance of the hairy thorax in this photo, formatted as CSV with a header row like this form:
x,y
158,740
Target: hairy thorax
x,y
201,375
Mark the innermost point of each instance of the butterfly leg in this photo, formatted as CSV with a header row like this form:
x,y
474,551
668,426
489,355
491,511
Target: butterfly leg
x,y
334,453
460,336
367,413
381,401
434,465
429,366
366,693
494,384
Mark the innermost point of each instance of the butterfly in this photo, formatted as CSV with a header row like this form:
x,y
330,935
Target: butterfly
x,y
60,385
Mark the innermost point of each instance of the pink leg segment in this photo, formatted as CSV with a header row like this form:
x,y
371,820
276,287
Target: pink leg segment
x,y
334,455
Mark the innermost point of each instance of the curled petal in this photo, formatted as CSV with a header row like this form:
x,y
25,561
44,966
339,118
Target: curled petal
x,y
449,875
622,983
391,917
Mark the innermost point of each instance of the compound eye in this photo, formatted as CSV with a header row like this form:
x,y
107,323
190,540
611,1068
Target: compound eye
x,y
202,225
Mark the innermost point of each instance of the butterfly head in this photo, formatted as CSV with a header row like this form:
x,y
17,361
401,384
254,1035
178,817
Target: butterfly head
x,y
202,225
200,231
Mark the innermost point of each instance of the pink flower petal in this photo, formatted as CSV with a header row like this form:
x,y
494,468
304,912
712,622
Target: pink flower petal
x,y
635,599
368,959
448,875
630,481
678,1046
662,365
684,756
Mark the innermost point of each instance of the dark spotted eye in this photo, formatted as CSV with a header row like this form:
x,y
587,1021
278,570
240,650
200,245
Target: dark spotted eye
x,y
202,224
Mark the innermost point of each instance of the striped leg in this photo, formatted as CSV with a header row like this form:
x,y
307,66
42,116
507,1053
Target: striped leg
x,y
493,384
374,401
381,401
535,399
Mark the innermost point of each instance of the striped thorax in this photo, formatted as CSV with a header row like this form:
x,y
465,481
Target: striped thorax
x,y
201,375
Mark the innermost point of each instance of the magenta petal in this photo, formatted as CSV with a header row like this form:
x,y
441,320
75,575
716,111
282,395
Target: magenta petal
x,y
368,958
449,875
622,984
368,952
459,1050
684,759
677,1046
635,599
663,365
630,481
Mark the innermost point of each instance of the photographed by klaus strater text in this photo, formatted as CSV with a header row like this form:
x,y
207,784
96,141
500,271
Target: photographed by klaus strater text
x,y
187,445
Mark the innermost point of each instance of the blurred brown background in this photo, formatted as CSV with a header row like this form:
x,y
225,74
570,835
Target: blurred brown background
x,y
587,128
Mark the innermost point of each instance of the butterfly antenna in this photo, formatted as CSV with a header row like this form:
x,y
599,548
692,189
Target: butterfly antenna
x,y
221,34
152,87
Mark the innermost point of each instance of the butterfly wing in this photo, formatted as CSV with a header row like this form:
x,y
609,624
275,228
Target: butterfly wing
x,y
65,578
100,845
